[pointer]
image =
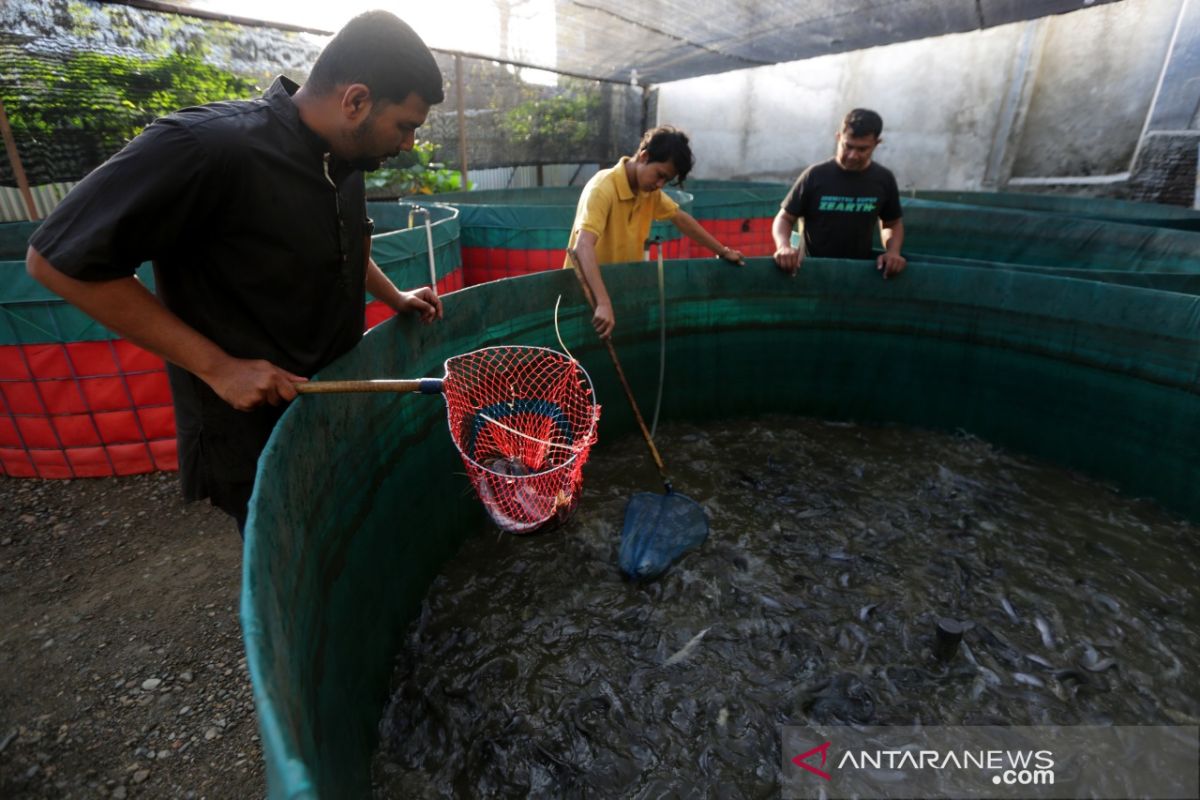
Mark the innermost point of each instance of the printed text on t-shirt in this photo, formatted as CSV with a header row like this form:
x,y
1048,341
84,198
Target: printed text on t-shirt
x,y
858,205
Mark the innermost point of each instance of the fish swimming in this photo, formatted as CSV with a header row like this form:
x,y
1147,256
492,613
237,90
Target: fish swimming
x,y
1092,661
1044,629
1009,610
1036,659
686,650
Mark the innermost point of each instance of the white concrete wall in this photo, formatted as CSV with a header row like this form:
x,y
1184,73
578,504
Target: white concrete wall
x,y
1095,82
950,105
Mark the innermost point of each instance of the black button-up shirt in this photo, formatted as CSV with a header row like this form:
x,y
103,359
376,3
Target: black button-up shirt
x,y
258,240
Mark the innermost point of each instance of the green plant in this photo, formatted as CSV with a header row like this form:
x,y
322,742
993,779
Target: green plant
x,y
414,172
109,94
553,128
69,114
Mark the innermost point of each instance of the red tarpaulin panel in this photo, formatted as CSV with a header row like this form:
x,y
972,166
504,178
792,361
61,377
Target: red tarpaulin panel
x,y
12,364
119,427
88,462
134,359
48,360
158,423
60,404
92,358
21,398
150,389
37,432
93,409
131,459
105,394
62,397
165,454
16,463
53,464
8,433
77,430
751,235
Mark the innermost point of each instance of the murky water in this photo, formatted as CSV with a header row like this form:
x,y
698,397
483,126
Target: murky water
x,y
535,669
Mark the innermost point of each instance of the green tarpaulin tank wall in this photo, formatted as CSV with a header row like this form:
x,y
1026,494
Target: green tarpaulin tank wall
x,y
1045,240
1044,230
738,213
1091,374
78,401
14,240
1124,211
510,232
401,249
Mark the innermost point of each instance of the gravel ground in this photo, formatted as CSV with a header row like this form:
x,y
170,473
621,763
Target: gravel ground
x,y
122,669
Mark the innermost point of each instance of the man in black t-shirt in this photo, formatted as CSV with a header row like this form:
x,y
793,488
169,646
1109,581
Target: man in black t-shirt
x,y
254,215
839,201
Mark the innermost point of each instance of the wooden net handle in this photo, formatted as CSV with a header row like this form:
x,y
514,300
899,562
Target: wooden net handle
x,y
423,385
612,353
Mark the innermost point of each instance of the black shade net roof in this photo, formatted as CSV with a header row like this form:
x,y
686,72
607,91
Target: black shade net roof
x,y
666,40
657,41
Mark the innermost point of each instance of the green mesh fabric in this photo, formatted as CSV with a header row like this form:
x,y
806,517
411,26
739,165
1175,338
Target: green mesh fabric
x,y
1182,282
1096,376
14,239
30,314
531,219
1048,240
542,196
400,246
1162,216
735,199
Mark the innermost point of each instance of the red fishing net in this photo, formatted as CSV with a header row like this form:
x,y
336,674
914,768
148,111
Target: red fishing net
x,y
524,420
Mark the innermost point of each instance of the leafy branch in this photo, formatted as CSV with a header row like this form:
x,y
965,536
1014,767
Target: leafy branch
x,y
412,173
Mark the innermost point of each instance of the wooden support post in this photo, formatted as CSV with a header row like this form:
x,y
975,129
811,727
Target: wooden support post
x,y
14,158
462,119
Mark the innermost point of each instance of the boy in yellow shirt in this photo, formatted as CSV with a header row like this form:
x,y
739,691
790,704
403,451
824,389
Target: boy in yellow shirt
x,y
618,205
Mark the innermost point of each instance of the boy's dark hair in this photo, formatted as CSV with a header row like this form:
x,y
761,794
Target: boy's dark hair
x,y
863,122
666,143
382,52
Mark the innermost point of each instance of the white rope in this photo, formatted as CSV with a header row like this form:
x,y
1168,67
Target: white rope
x,y
523,435
662,342
558,333
502,426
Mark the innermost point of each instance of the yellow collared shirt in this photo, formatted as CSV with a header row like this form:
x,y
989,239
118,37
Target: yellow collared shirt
x,y
619,217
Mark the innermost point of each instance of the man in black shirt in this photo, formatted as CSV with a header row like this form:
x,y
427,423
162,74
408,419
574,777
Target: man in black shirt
x,y
254,215
839,201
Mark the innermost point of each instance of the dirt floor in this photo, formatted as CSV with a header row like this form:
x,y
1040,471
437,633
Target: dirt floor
x,y
122,669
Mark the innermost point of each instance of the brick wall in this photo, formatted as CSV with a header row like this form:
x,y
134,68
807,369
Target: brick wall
x,y
1165,169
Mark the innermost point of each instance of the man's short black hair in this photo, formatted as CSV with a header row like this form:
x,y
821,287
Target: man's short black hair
x,y
382,52
667,144
863,122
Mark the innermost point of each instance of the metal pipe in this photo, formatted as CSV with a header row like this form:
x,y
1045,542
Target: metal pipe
x,y
428,242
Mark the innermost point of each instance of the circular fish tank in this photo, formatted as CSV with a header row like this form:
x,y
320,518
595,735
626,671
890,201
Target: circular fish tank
x,y
360,500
